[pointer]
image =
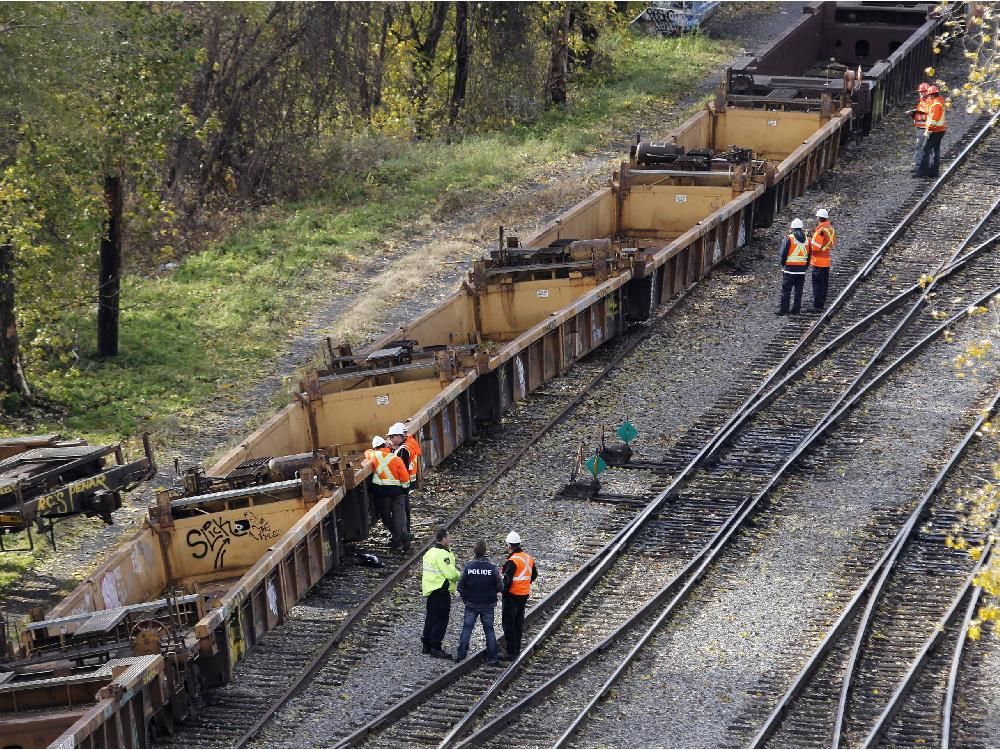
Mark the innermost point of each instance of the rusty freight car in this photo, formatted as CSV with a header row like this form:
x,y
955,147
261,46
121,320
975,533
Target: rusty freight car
x,y
224,556
863,55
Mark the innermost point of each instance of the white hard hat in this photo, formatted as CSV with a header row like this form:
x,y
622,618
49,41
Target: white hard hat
x,y
822,213
513,538
378,441
796,224
397,429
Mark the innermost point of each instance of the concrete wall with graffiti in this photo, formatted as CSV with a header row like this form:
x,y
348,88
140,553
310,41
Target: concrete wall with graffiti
x,y
677,17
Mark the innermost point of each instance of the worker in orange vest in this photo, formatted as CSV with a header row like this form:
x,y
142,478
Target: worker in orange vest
x,y
518,573
823,240
408,449
934,130
388,487
794,264
919,115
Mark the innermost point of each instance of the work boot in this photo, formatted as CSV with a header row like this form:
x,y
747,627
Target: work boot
x,y
506,657
440,653
425,650
781,312
459,658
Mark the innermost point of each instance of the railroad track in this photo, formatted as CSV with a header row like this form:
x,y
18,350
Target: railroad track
x,y
885,673
734,477
298,652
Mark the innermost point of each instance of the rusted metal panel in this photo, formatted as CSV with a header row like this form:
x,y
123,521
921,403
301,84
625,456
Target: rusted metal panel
x,y
118,718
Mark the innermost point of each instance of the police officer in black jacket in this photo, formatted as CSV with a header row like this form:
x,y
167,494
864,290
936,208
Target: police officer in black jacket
x,y
479,585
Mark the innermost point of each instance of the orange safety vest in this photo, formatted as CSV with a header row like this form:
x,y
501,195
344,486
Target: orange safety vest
x,y
920,115
520,584
388,469
935,115
412,446
823,240
798,253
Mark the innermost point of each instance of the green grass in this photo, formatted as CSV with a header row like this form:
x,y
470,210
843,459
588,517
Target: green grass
x,y
12,567
216,322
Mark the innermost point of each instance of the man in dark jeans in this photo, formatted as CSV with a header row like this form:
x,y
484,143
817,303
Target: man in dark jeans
x,y
479,585
518,574
437,585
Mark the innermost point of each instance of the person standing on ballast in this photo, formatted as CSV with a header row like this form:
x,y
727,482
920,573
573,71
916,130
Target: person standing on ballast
x,y
519,571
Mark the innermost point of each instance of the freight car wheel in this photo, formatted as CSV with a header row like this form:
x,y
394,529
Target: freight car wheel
x,y
160,725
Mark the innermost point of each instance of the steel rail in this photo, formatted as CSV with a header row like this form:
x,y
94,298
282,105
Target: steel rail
x,y
536,695
354,616
956,263
948,705
920,661
619,543
840,625
833,416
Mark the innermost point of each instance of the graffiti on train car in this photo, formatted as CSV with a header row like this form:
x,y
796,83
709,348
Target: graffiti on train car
x,y
215,535
66,499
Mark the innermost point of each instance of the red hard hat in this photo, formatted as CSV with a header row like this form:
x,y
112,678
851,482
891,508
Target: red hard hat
x,y
933,90
922,88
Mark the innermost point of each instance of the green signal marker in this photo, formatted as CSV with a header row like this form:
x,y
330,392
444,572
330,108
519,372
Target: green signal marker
x,y
627,432
595,465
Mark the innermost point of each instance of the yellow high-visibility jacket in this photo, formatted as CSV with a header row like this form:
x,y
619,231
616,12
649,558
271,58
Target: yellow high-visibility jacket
x,y
439,566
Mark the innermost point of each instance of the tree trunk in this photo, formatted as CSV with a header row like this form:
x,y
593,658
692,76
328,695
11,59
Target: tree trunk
x,y
362,47
108,291
12,377
423,65
589,34
555,88
383,51
462,54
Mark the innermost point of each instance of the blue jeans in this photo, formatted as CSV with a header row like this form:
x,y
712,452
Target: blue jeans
x,y
931,155
484,612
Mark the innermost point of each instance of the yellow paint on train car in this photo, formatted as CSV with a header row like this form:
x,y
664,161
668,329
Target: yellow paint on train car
x,y
217,545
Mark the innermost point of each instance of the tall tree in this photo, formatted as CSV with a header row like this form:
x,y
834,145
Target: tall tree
x,y
12,377
109,278
462,54
556,84
424,31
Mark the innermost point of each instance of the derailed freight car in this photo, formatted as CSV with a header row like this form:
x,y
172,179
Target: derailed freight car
x,y
863,55
221,561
